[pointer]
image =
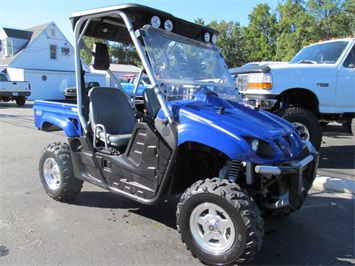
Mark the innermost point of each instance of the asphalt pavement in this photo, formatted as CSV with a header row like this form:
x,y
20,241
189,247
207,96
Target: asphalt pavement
x,y
337,161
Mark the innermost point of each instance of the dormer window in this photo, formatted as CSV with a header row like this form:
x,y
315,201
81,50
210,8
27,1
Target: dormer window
x,y
7,47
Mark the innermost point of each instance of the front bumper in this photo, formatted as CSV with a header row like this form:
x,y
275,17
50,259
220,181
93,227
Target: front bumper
x,y
298,170
15,94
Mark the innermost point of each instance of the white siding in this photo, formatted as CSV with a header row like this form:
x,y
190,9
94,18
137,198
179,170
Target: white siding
x,y
37,54
50,85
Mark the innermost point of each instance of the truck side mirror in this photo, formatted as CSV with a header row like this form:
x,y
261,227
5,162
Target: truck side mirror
x,y
100,59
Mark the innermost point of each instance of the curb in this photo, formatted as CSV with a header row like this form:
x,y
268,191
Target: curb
x,y
335,184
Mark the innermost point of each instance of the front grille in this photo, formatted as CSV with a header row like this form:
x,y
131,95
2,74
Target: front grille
x,y
287,144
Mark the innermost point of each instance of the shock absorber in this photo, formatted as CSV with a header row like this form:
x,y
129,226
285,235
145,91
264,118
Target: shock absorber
x,y
234,170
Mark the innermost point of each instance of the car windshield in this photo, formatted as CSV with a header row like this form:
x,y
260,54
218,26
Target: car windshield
x,y
322,53
184,66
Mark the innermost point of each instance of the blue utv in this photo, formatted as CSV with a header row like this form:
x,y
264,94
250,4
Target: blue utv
x,y
230,164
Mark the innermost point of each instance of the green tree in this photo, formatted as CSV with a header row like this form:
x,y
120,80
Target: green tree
x,y
327,15
260,35
229,42
200,21
347,17
89,42
293,29
124,54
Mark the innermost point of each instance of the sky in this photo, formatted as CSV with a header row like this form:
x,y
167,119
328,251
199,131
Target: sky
x,y
24,14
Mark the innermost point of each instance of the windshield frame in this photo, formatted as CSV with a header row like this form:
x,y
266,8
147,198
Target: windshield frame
x,y
223,78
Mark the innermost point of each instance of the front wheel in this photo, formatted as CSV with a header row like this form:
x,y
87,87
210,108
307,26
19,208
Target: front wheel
x,y
56,173
219,223
305,122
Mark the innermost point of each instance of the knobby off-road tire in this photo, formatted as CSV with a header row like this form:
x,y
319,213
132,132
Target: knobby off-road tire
x,y
219,223
287,210
56,173
299,116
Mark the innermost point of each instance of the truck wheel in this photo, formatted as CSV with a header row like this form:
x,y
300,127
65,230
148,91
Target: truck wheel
x,y
306,123
349,126
56,173
20,101
219,223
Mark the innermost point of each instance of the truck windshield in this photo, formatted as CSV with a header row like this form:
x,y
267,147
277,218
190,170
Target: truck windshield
x,y
184,66
322,53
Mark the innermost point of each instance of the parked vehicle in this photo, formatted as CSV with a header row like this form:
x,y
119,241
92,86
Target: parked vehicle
x,y
229,163
17,91
142,82
71,91
317,85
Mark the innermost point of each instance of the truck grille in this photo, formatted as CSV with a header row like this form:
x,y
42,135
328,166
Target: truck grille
x,y
242,82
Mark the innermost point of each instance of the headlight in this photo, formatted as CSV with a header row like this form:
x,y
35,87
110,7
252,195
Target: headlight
x,y
255,145
260,81
207,36
155,21
262,148
168,25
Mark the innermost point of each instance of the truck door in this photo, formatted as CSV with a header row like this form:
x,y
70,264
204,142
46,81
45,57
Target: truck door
x,y
345,91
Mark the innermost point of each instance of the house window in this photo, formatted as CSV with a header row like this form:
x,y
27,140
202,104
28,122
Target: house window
x,y
53,51
65,51
7,47
52,32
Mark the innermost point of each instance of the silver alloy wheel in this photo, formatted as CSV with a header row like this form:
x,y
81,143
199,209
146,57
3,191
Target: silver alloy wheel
x,y
302,130
212,228
51,173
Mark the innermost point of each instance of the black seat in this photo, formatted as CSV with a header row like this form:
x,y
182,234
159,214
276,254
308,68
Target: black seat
x,y
151,103
111,117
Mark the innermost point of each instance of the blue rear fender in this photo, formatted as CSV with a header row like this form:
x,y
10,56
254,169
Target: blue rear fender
x,y
67,124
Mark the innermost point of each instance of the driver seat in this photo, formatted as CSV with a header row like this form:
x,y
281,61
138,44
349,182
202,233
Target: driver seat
x,y
111,117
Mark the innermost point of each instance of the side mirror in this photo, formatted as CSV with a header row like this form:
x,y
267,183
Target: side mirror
x,y
100,59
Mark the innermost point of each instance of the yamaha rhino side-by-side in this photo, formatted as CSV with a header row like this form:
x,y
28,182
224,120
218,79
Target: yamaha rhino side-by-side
x,y
188,134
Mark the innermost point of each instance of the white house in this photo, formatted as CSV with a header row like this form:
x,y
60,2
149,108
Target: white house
x,y
43,56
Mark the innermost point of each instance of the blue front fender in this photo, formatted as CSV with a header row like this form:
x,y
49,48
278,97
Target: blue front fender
x,y
195,129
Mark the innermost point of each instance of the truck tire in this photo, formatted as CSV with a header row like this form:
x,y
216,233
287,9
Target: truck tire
x,y
219,223
306,123
56,173
349,126
20,101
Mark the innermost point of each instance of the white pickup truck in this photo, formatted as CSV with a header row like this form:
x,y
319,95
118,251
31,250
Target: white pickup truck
x,y
14,90
317,86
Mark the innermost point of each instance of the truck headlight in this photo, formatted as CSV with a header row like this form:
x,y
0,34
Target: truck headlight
x,y
260,81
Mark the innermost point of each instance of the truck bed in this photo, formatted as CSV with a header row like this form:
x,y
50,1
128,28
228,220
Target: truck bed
x,y
52,115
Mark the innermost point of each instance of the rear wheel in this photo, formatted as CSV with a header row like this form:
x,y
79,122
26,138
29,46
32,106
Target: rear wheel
x,y
219,223
56,173
20,101
305,122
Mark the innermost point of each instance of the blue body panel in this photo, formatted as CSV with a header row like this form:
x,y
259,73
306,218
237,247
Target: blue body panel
x,y
209,120
62,115
225,127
